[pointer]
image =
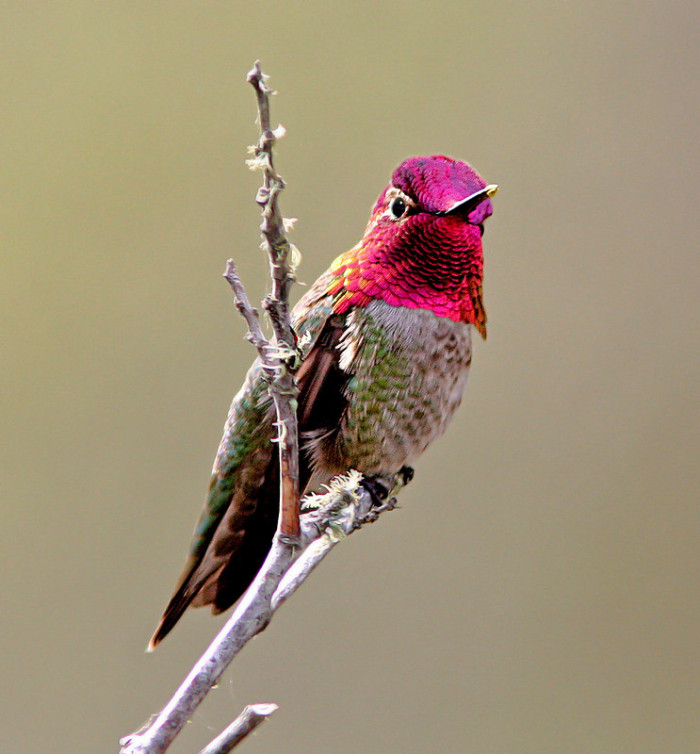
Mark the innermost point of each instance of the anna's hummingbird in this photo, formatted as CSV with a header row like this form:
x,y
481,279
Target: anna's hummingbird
x,y
386,346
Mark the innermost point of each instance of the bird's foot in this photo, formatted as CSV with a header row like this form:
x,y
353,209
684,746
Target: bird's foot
x,y
380,487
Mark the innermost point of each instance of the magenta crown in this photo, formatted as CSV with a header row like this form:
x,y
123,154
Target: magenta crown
x,y
437,183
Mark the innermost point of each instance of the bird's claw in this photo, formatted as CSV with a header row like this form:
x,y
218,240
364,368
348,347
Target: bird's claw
x,y
380,487
406,474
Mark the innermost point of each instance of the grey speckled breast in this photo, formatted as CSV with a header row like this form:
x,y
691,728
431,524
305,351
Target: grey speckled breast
x,y
409,369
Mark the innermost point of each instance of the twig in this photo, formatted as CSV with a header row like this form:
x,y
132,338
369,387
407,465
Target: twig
x,y
250,616
250,314
282,261
252,716
346,507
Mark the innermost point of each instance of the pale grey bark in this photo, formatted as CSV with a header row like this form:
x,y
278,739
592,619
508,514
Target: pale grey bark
x,y
299,545
345,508
252,716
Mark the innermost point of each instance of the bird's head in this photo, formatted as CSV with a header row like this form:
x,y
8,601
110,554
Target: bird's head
x,y
422,247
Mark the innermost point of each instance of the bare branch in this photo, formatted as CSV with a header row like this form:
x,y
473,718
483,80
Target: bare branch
x,y
282,260
249,313
346,507
252,716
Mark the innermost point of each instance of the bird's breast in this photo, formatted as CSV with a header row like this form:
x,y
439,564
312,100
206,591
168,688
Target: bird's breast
x,y
408,372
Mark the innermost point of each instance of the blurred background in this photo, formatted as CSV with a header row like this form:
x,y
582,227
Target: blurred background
x,y
539,589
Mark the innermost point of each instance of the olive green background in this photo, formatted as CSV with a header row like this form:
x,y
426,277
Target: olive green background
x,y
539,589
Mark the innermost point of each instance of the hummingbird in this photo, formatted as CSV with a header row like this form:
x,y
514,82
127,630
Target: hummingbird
x,y
385,339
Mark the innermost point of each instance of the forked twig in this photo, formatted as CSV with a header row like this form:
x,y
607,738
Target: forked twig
x,y
282,257
346,506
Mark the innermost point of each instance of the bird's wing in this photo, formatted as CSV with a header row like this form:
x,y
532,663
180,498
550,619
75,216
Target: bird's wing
x,y
235,529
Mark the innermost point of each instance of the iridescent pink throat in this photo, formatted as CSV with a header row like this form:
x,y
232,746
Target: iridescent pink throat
x,y
426,262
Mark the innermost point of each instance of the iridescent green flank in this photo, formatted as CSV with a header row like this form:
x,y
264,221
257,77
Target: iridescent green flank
x,y
245,428
246,446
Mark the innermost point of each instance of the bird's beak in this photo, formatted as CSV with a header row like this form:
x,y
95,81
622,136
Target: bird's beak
x,y
465,206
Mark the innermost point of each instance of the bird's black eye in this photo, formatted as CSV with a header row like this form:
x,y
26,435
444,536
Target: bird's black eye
x,y
397,207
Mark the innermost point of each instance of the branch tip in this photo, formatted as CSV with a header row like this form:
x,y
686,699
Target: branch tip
x,y
252,716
